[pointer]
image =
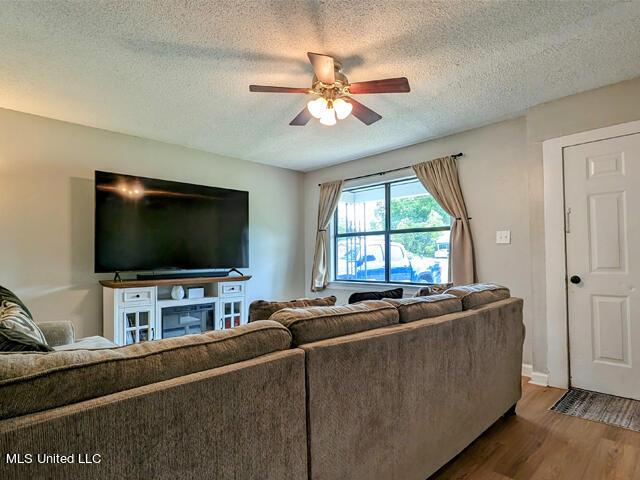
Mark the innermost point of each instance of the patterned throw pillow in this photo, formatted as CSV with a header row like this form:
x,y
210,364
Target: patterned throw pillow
x,y
434,289
14,315
15,341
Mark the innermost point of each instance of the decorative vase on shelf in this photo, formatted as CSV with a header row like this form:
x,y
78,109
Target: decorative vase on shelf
x,y
177,292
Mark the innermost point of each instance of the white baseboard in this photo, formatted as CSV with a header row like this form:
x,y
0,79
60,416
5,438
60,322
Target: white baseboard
x,y
536,378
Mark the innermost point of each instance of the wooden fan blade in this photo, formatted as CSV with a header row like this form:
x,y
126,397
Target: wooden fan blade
x,y
362,113
323,67
387,85
301,119
269,89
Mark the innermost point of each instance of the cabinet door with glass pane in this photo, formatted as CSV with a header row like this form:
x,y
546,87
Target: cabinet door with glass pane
x,y
231,313
138,324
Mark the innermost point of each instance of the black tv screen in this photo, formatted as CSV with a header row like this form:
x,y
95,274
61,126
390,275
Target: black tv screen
x,y
149,224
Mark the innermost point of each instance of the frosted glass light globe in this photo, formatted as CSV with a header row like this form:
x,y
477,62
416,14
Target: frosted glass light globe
x,y
342,108
328,118
317,107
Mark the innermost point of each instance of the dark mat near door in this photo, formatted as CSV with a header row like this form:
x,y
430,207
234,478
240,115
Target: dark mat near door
x,y
600,407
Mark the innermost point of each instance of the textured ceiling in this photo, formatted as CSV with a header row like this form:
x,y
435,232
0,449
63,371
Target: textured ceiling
x,y
179,71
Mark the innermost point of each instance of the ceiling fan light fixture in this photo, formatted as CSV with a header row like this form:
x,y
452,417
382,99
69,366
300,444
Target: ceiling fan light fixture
x,y
328,117
317,107
334,91
342,108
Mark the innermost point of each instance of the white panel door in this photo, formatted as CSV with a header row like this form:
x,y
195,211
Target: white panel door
x,y
602,201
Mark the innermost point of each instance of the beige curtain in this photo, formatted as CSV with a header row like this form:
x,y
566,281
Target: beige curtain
x,y
329,197
440,178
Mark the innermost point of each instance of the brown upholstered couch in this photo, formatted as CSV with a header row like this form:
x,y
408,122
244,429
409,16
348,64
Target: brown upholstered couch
x,y
377,390
225,404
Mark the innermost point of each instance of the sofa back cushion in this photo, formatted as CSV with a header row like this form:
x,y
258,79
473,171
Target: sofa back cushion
x,y
318,323
375,295
478,294
31,382
262,310
419,308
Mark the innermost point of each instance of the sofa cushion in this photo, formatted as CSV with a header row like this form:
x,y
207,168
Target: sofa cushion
x,y
433,289
16,316
87,343
15,341
360,296
262,309
318,323
478,294
419,308
31,382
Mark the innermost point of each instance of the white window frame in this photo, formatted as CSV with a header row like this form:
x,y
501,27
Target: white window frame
x,y
386,232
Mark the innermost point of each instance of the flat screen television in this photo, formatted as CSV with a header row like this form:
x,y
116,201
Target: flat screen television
x,y
146,224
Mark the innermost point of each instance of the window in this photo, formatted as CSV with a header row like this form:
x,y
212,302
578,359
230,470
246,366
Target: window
x,y
392,232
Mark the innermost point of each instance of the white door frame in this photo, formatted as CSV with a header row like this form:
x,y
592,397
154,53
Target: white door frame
x,y
555,248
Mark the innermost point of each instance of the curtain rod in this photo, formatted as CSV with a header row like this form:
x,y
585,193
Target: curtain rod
x,y
457,155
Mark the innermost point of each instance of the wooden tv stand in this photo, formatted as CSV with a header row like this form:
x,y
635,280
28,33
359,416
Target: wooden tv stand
x,y
133,309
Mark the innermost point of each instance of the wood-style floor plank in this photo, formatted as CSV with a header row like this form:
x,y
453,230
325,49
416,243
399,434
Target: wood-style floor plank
x,y
538,444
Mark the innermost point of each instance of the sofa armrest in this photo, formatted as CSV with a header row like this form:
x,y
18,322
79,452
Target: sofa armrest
x,y
58,333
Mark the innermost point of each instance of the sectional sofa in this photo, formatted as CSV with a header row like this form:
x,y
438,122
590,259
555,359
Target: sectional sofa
x,y
376,390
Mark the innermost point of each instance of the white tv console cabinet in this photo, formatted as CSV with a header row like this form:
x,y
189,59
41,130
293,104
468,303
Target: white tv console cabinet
x,y
133,310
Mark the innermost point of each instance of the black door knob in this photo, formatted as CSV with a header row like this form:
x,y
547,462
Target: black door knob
x,y
575,279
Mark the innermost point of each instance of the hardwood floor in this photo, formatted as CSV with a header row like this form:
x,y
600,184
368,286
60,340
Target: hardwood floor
x,y
539,444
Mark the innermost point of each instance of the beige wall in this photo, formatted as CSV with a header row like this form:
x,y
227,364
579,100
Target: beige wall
x,y
46,211
493,175
501,176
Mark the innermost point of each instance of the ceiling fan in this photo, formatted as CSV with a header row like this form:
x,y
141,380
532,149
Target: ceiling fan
x,y
334,93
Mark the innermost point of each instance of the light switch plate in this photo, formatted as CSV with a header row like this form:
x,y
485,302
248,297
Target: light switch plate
x,y
503,236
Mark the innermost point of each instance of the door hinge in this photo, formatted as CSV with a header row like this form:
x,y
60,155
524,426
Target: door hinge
x,y
567,221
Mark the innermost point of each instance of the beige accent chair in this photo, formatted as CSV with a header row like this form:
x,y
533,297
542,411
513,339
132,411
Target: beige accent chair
x,y
61,335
